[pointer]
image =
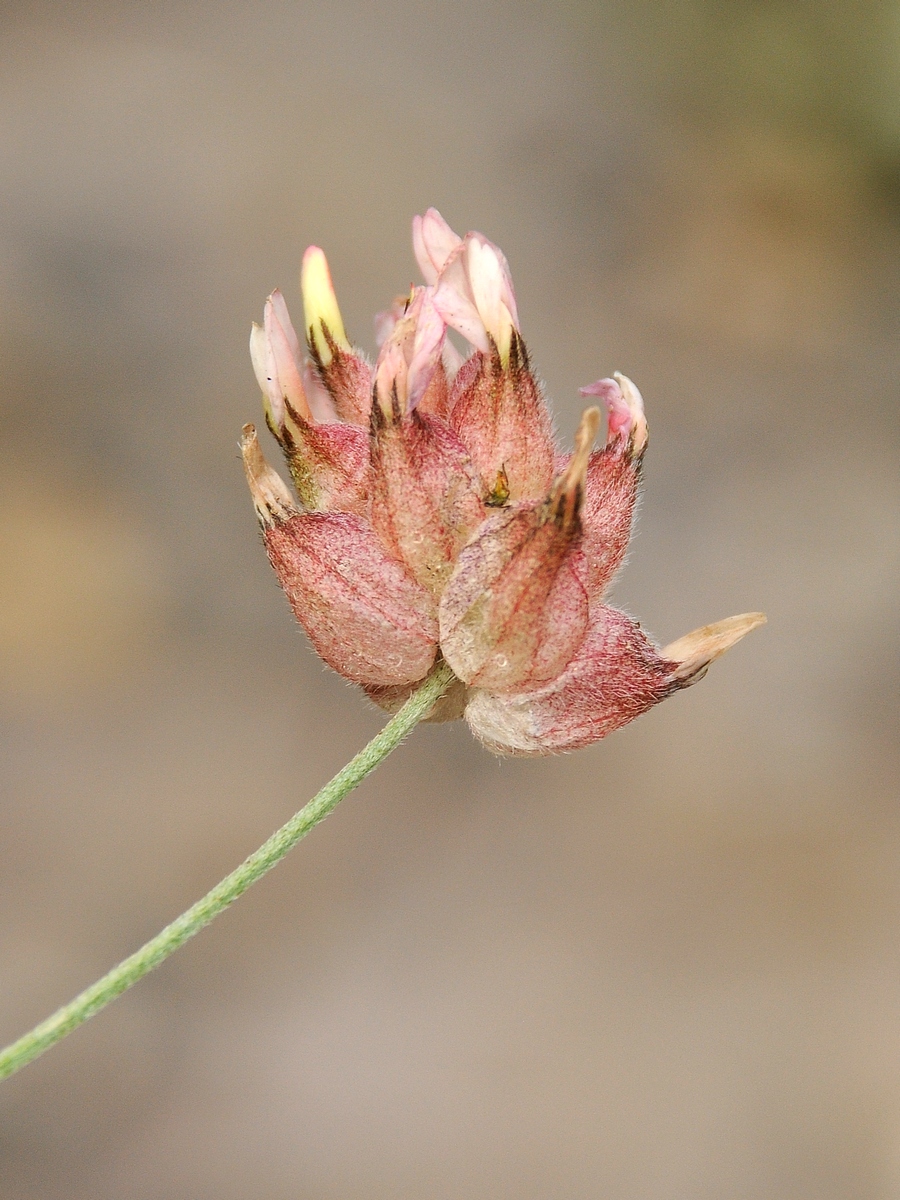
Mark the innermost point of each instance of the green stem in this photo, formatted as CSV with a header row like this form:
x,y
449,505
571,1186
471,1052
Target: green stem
x,y
137,965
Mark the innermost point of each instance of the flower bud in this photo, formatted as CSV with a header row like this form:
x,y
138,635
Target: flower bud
x,y
277,362
626,423
409,355
496,405
328,462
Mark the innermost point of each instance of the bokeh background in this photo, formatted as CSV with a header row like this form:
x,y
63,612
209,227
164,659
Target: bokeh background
x,y
665,968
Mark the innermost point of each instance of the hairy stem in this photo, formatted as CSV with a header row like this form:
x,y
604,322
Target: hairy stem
x,y
150,955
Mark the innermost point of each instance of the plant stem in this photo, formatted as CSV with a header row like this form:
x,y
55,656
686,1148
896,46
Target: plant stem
x,y
137,965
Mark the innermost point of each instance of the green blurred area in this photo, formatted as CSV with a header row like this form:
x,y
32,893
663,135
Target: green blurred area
x,y
815,69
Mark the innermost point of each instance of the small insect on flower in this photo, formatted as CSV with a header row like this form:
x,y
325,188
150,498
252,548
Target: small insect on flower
x,y
435,516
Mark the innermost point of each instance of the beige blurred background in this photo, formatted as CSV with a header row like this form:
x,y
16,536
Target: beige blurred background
x,y
665,968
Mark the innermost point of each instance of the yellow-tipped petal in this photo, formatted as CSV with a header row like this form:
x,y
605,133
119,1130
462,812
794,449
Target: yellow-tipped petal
x,y
695,651
324,324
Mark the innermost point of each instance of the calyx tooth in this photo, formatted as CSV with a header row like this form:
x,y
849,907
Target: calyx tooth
x,y
695,651
271,497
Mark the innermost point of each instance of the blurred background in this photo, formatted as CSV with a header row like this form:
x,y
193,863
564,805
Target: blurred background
x,y
665,968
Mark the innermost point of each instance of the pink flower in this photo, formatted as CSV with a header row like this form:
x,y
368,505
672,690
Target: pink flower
x,y
435,517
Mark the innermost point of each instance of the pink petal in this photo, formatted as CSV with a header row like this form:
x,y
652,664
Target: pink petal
x,y
474,295
428,344
460,313
281,315
624,404
491,285
410,355
283,354
433,243
388,318
391,372
259,352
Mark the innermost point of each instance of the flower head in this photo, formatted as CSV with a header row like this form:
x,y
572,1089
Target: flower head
x,y
436,517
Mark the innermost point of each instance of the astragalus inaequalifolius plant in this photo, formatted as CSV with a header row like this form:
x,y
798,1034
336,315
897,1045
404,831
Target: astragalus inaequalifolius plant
x,y
436,517
439,549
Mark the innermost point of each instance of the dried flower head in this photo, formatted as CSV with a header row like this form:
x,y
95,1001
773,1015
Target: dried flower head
x,y
436,517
